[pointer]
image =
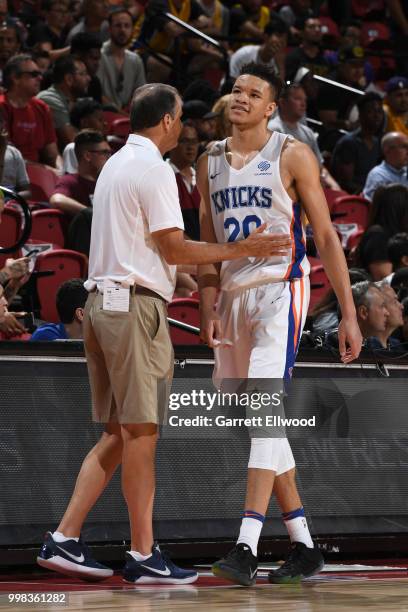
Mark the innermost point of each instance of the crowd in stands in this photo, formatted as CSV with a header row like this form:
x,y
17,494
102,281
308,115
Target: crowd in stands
x,y
68,69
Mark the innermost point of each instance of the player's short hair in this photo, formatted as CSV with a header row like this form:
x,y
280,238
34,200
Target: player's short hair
x,y
13,68
83,108
85,140
362,293
397,248
150,103
266,74
70,296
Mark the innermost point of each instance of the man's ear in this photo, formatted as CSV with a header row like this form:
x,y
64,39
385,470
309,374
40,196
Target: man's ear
x,y
167,121
362,312
272,106
79,314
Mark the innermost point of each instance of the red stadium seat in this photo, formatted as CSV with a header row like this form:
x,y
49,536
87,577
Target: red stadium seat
x,y
120,128
21,338
354,239
363,9
48,225
332,196
109,117
351,209
330,30
319,285
375,35
185,310
10,228
43,181
66,265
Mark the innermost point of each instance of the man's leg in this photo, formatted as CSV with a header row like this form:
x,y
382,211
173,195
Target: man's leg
x,y
96,471
138,482
63,551
291,507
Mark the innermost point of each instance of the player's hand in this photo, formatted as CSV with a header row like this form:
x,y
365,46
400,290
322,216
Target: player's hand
x,y
350,339
210,328
264,244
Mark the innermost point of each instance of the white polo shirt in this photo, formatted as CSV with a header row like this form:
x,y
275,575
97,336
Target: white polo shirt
x,y
136,194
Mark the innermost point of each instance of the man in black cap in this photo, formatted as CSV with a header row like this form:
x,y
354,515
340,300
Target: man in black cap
x,y
396,106
335,103
201,116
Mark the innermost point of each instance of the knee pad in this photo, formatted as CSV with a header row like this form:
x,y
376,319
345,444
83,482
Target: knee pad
x,y
272,454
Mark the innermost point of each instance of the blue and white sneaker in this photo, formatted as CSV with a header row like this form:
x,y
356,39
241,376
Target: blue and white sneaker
x,y
71,558
156,569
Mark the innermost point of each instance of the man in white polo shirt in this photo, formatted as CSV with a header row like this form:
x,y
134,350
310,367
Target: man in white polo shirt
x,y
137,240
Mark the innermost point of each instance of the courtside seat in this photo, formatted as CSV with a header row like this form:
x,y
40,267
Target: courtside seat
x,y
351,209
43,181
48,225
120,128
10,230
319,285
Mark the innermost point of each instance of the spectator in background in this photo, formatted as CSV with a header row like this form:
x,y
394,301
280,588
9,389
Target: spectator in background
x,y
87,47
182,160
393,169
13,173
12,277
292,109
219,17
397,251
54,28
357,153
309,53
372,313
94,21
85,114
70,82
249,18
70,302
73,192
401,334
42,59
398,12
27,119
335,103
325,314
10,41
388,216
293,12
394,319
396,105
223,126
121,71
203,118
270,53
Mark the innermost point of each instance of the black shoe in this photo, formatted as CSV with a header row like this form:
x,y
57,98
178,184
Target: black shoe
x,y
301,562
239,566
71,558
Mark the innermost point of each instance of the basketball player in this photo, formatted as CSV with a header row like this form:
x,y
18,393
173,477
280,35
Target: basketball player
x,y
256,177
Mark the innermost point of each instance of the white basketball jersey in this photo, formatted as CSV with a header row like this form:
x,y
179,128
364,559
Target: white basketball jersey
x,y
241,200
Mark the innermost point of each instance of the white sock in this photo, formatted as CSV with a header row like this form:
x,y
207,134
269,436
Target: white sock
x,y
58,536
138,556
250,533
299,531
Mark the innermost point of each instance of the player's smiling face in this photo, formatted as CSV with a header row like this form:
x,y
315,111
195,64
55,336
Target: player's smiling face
x,y
251,101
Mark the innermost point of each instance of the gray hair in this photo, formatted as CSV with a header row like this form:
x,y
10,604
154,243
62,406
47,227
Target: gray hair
x,y
362,295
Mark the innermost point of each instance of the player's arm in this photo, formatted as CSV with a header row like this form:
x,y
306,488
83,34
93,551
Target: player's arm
x,y
304,169
209,275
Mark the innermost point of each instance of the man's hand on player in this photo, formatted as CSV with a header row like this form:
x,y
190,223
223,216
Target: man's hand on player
x,y
210,328
350,339
264,244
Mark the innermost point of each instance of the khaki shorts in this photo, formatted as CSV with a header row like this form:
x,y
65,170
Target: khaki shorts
x,y
130,360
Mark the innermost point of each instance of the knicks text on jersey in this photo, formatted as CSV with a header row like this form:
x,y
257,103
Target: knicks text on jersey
x,y
241,200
